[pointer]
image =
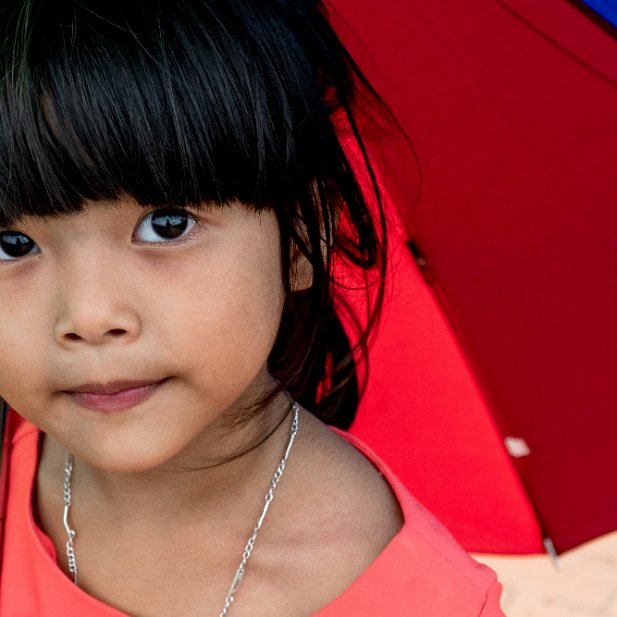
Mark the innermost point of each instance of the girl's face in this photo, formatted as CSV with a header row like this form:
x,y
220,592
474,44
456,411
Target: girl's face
x,y
178,309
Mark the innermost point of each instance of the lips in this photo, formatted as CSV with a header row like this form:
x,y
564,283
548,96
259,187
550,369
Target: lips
x,y
113,396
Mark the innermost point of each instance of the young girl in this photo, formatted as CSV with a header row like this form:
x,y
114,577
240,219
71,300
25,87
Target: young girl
x,y
173,198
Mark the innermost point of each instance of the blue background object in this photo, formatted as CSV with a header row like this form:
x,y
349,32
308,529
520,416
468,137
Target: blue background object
x,y
605,8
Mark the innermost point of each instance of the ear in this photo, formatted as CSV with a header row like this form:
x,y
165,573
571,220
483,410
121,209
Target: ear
x,y
301,269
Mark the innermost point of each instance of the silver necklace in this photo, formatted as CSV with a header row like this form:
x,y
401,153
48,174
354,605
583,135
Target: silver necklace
x,y
248,549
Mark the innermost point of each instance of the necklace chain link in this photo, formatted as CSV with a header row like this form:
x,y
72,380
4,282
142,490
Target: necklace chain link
x,y
248,549
70,532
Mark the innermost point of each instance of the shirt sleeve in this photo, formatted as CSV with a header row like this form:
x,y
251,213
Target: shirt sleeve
x,y
491,606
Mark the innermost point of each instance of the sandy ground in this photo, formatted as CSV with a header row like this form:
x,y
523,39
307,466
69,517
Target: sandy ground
x,y
585,584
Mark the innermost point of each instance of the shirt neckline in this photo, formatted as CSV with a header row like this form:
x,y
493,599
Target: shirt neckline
x,y
46,549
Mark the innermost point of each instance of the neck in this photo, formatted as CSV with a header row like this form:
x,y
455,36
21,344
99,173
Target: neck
x,y
220,470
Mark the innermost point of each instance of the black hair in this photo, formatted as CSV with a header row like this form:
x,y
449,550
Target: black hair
x,y
202,101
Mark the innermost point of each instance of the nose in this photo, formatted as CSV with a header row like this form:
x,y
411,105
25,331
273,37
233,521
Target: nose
x,y
95,308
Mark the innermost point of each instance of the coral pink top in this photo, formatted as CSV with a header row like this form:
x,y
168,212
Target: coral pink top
x,y
422,572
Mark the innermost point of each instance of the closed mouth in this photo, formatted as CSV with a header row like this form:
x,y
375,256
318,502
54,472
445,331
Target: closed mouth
x,y
113,387
113,395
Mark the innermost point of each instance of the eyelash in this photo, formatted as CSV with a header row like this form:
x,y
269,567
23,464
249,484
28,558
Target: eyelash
x,y
5,243
179,222
174,225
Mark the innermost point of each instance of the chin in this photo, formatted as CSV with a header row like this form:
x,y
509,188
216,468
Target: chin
x,y
127,458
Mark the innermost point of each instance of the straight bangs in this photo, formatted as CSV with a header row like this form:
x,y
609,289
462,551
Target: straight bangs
x,y
176,103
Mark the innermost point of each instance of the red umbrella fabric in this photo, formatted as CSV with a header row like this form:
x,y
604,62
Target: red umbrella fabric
x,y
492,392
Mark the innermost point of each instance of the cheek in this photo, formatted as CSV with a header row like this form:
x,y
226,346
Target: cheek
x,y
231,319
241,319
23,361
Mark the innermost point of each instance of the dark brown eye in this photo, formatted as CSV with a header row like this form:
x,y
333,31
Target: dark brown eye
x,y
14,244
162,225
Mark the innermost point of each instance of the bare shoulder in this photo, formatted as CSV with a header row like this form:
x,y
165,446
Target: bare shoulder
x,y
349,478
346,512
363,498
